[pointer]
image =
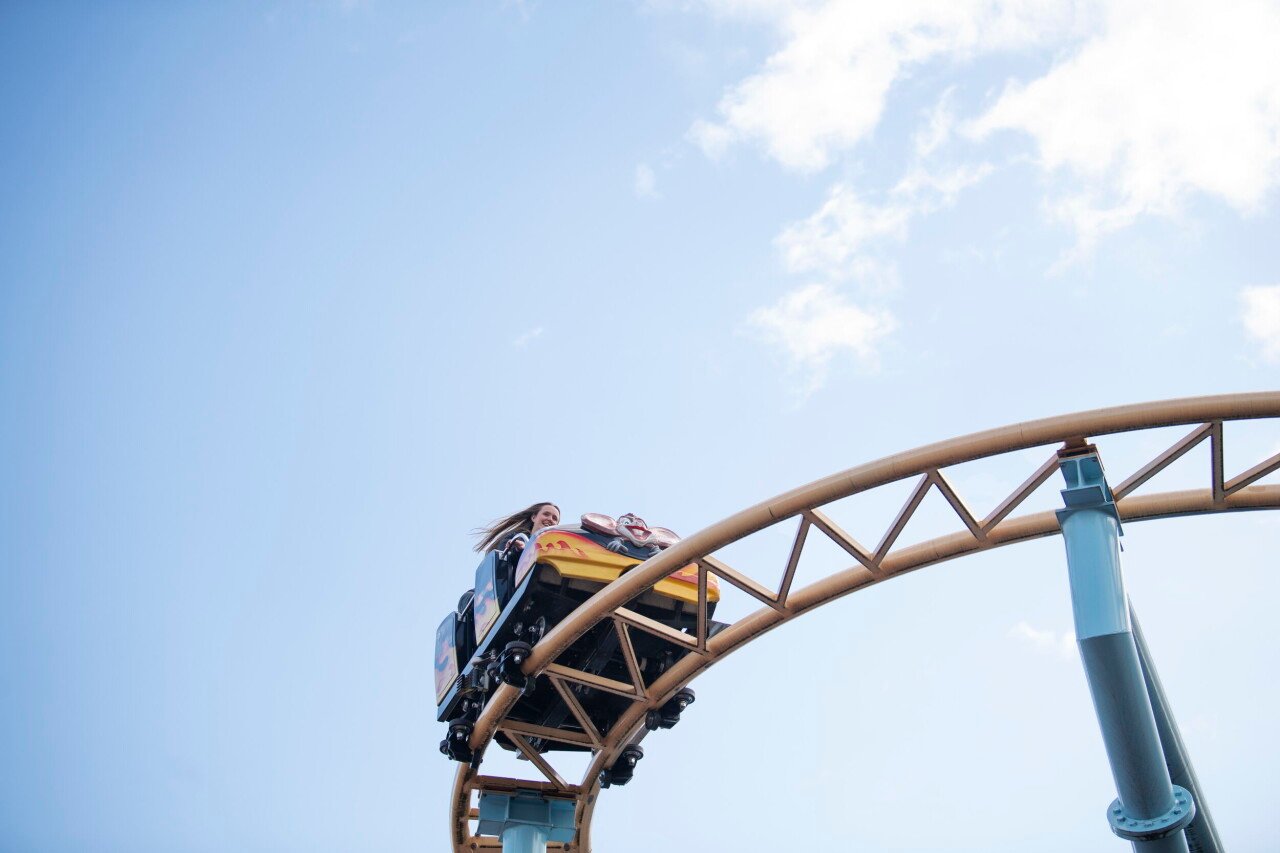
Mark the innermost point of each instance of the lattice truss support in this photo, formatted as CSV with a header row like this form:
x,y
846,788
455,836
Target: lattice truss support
x,y
888,558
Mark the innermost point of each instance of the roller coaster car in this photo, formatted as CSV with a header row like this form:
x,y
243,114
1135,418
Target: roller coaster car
x,y
519,595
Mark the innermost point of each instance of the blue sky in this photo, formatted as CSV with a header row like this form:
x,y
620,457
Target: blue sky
x,y
293,296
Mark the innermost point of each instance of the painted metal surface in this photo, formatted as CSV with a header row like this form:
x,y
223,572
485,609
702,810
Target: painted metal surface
x,y
885,561
575,555
526,820
485,603
1091,532
1150,811
446,669
1202,834
524,839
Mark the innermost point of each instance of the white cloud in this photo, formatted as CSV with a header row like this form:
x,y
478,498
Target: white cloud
x,y
931,189
834,239
841,242
525,339
1167,99
645,182
1145,106
1260,314
814,323
1050,642
713,139
824,90
1136,109
938,131
838,230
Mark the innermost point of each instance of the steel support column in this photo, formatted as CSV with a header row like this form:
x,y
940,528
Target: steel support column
x,y
525,820
524,839
1150,811
1202,834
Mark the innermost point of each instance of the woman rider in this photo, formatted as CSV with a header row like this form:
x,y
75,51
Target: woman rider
x,y
516,529
508,536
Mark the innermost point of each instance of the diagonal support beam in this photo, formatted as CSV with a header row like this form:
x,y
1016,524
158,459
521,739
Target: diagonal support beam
x,y
1046,470
844,540
793,561
1164,460
538,761
958,504
629,656
656,628
579,713
599,682
904,515
546,733
750,587
1257,472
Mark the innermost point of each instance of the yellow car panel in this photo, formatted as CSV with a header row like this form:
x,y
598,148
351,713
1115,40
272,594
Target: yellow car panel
x,y
577,557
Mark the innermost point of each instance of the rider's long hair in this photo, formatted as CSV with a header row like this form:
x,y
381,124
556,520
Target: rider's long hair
x,y
500,528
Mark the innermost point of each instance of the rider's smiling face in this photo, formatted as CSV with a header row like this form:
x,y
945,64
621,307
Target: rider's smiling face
x,y
546,516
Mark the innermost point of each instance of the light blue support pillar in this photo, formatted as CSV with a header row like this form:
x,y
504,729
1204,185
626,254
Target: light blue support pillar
x,y
525,838
525,820
1151,811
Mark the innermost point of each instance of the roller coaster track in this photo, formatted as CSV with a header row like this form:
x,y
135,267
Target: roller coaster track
x,y
1224,493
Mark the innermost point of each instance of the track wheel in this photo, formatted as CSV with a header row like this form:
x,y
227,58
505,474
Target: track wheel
x,y
457,744
668,715
624,768
510,661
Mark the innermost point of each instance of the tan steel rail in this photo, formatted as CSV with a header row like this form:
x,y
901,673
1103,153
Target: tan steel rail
x,y
870,566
